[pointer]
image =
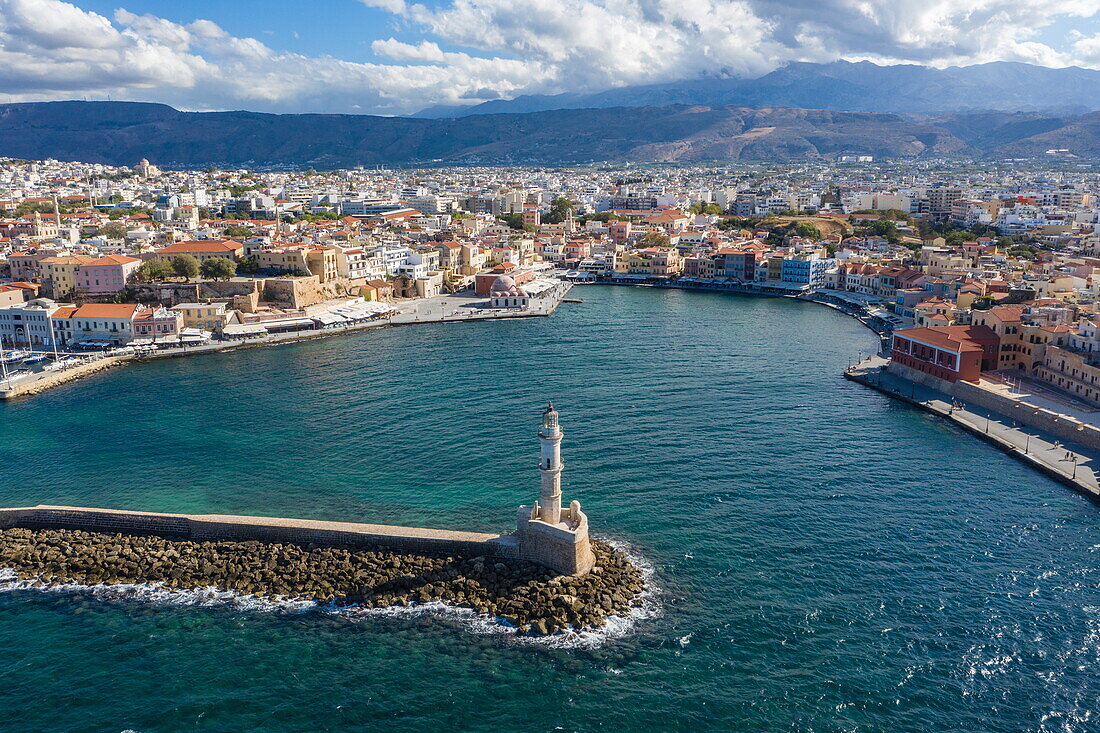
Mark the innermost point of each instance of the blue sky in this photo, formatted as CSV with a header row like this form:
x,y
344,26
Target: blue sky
x,y
398,56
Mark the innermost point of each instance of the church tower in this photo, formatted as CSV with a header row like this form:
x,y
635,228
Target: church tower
x,y
546,533
550,466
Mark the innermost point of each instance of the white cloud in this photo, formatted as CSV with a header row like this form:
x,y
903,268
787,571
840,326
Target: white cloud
x,y
53,48
399,51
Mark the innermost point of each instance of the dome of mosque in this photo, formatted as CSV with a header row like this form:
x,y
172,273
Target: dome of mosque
x,y
504,285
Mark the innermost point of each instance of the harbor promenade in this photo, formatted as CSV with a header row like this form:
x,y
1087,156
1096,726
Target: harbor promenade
x,y
1070,463
453,308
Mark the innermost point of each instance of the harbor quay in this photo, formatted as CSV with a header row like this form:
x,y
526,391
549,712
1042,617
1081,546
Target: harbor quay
x,y
1048,441
454,308
545,577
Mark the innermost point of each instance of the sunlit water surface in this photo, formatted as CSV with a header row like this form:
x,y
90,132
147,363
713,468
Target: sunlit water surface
x,y
827,559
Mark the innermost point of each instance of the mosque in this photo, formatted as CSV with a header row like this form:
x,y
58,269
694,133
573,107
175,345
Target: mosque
x,y
504,293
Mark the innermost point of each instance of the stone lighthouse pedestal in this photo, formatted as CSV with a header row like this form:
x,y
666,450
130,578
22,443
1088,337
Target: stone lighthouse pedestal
x,y
546,533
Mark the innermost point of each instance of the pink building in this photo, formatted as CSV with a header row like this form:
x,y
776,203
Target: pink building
x,y
107,275
159,323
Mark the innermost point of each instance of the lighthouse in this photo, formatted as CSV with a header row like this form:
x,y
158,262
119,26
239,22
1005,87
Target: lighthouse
x,y
550,466
546,533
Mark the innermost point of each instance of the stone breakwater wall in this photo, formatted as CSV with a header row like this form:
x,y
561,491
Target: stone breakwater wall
x,y
531,598
55,379
214,527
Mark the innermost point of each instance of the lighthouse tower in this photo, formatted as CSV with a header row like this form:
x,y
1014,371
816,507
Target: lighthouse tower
x,y
550,435
546,533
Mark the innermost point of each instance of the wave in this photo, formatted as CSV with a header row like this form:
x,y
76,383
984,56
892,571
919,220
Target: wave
x,y
470,620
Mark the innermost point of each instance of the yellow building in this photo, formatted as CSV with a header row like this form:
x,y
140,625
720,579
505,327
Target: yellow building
x,y
655,261
1007,322
323,262
284,259
205,316
59,274
1071,371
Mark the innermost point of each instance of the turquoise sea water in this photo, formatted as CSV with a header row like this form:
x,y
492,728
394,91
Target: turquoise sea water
x,y
828,559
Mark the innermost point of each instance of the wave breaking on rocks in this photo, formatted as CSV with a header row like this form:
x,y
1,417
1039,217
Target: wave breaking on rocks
x,y
488,595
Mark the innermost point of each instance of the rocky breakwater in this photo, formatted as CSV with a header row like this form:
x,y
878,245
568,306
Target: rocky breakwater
x,y
527,596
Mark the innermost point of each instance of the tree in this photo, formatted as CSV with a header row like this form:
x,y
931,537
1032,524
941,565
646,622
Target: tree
x,y
248,264
559,210
516,222
237,230
654,239
219,268
112,230
806,229
155,270
185,266
881,228
702,208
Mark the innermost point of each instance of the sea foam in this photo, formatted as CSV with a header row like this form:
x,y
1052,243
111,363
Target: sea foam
x,y
471,621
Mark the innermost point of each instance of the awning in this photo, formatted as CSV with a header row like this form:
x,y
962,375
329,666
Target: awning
x,y
289,323
245,329
329,319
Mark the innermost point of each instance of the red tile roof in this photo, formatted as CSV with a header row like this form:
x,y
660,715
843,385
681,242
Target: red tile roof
x,y
200,245
107,310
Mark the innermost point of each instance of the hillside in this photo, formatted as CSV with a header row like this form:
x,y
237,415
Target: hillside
x,y
123,132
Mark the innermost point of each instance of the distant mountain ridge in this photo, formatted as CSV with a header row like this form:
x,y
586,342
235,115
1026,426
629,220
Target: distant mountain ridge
x,y
843,85
120,133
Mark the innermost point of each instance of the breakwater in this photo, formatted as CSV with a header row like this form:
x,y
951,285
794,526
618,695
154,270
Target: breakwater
x,y
528,597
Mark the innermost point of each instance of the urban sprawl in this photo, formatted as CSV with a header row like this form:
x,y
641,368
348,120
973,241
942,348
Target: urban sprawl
x,y
973,273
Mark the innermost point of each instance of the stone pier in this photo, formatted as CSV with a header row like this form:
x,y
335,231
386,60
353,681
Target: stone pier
x,y
212,527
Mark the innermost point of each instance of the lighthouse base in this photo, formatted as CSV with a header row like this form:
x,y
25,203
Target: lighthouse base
x,y
563,547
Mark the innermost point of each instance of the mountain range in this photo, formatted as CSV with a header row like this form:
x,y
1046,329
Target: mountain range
x,y
842,85
120,133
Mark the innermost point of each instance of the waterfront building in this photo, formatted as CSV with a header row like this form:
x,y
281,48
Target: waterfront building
x,y
204,316
1073,371
102,323
504,293
29,323
157,323
949,353
485,282
735,264
106,275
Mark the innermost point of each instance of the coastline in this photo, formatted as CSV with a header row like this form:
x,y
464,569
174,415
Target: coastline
x,y
853,310
1015,442
43,381
1036,448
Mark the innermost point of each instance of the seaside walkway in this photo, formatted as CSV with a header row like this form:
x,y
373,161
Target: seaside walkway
x,y
1070,463
456,308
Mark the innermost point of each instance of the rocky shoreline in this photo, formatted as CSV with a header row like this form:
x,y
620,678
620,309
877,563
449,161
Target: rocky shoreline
x,y
527,596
